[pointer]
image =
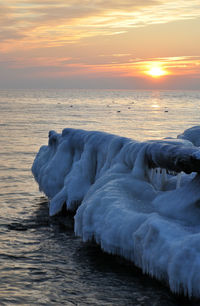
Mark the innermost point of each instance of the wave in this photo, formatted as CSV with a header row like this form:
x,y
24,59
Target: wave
x,y
140,200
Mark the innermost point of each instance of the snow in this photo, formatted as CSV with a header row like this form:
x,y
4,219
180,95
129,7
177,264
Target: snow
x,y
140,200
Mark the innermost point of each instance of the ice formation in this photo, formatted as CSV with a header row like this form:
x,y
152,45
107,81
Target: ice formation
x,y
140,200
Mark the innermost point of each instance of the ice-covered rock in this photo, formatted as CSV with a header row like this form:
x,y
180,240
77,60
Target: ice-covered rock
x,y
140,200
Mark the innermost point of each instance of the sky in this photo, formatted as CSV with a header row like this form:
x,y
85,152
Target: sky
x,y
112,44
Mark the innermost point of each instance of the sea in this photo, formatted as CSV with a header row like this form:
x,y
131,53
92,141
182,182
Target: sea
x,y
42,262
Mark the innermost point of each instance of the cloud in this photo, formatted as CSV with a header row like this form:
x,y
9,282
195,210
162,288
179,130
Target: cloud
x,y
176,66
122,65
34,24
87,39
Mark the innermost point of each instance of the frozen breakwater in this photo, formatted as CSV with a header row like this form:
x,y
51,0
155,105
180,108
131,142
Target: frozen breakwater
x,y
140,200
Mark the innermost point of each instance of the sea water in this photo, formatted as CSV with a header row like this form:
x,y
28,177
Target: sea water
x,y
42,262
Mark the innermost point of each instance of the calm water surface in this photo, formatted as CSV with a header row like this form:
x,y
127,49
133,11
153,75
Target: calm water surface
x,y
41,261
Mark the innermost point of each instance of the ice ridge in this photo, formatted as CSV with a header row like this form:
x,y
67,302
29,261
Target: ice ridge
x,y
140,200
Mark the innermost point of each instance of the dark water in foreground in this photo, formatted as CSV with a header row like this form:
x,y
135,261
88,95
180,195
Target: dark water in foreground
x,y
41,261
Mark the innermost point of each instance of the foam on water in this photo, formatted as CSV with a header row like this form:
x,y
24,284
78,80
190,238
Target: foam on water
x,y
129,198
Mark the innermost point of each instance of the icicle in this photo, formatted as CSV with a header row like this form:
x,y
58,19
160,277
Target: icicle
x,y
153,177
163,178
178,182
158,178
152,173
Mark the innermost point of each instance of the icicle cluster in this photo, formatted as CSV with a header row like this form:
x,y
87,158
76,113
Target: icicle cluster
x,y
134,199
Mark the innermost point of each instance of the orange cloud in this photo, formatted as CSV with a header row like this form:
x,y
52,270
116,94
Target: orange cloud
x,y
111,38
182,65
68,66
35,24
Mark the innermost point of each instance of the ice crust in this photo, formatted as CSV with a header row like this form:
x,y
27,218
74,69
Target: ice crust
x,y
128,205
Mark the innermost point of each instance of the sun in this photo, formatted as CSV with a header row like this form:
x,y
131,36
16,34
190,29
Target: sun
x,y
156,71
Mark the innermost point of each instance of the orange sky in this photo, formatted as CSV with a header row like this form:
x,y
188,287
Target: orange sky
x,y
100,44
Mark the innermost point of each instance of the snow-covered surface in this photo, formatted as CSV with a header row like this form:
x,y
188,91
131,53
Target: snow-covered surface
x,y
128,198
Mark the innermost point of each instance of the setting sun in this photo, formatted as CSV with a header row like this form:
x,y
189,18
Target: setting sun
x,y
156,72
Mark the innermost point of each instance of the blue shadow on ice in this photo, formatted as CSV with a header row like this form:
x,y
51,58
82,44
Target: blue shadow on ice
x,y
140,200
